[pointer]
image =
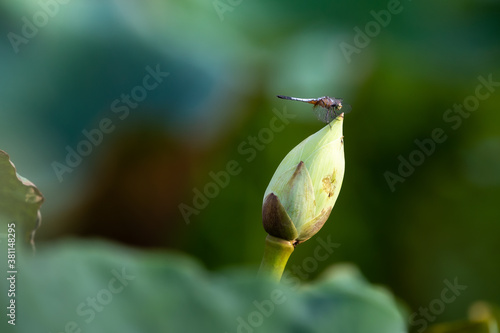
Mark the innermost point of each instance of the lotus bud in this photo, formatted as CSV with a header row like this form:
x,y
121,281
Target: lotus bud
x,y
304,188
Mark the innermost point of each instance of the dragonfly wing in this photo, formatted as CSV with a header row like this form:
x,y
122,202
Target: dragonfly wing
x,y
346,108
324,115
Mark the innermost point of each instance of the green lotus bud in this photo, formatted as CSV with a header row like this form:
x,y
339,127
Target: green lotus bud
x,y
304,188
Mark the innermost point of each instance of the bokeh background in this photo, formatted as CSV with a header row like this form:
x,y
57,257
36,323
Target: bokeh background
x,y
226,62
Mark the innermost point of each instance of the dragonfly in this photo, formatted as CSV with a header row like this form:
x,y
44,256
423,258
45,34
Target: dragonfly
x,y
326,108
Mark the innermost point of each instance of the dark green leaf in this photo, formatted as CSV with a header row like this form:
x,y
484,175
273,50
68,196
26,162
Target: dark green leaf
x,y
75,286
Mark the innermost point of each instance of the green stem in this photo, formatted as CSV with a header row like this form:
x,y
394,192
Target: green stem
x,y
276,254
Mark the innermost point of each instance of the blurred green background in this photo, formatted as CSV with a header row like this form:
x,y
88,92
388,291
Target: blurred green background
x,y
226,62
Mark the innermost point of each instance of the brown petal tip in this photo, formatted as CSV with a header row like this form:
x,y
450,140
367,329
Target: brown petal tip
x,y
275,219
